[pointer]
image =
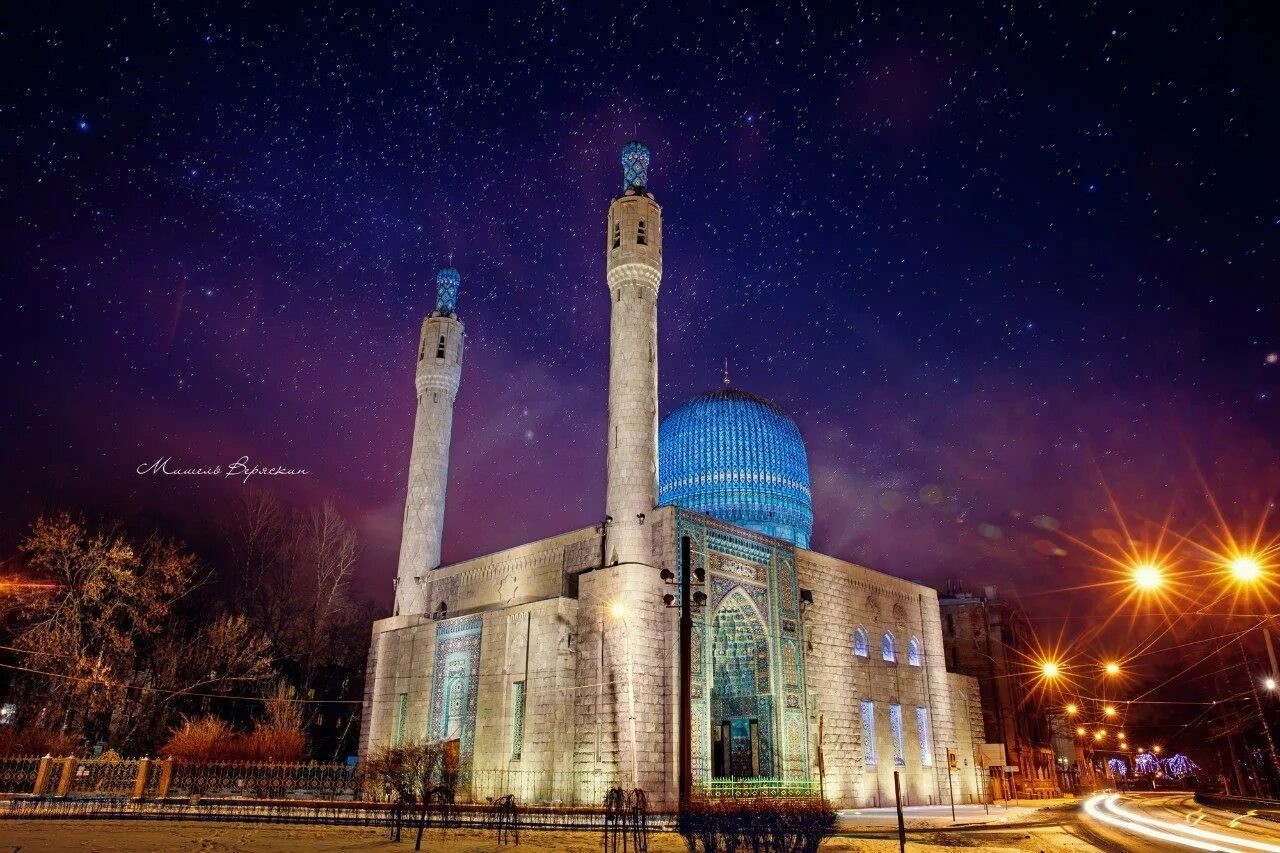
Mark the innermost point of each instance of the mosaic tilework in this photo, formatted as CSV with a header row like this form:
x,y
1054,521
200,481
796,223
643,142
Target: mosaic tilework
x,y
517,720
899,741
456,685
868,733
748,630
925,735
738,457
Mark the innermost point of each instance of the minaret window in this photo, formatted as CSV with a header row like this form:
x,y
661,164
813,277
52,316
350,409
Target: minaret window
x,y
440,348
617,234
641,238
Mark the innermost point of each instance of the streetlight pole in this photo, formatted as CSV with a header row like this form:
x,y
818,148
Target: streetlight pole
x,y
1262,714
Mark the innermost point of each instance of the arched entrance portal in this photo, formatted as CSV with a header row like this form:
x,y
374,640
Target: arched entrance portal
x,y
741,704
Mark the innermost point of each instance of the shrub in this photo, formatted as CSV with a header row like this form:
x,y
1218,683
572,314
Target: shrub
x,y
201,739
775,825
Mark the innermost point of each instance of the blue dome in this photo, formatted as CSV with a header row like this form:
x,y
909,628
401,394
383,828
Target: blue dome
x,y
737,457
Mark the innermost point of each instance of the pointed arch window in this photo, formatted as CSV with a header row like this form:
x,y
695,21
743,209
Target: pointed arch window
x,y
617,234
913,652
860,643
440,348
642,238
889,647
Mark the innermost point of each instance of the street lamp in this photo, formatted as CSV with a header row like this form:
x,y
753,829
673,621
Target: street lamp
x,y
1099,734
1147,577
1050,669
1072,708
1269,683
1112,668
1081,731
1245,568
1110,710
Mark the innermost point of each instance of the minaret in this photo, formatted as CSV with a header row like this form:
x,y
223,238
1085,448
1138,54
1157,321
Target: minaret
x,y
633,249
438,374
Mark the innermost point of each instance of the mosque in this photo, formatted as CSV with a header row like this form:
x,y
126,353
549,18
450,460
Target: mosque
x,y
550,670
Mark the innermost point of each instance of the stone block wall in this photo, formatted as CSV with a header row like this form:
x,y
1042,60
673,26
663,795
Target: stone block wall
x,y
847,597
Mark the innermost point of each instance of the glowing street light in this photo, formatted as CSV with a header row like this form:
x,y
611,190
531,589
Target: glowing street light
x,y
1147,577
1156,749
1099,734
1245,568
618,610
1112,668
1072,708
1110,710
1050,669
1269,683
1080,730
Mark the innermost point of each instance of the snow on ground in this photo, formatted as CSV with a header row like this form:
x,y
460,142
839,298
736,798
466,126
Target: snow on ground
x,y
90,836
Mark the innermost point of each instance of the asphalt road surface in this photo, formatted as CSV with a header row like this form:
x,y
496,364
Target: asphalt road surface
x,y
1114,823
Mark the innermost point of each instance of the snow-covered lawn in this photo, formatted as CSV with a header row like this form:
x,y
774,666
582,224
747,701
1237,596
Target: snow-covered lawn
x,y
143,836
46,836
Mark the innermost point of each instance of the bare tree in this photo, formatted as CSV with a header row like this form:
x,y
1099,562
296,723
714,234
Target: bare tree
x,y
106,648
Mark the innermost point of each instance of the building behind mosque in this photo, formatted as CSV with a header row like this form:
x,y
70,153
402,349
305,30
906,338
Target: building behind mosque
x,y
550,669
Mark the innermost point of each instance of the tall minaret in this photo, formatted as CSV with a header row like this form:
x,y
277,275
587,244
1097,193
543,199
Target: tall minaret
x,y
438,374
633,248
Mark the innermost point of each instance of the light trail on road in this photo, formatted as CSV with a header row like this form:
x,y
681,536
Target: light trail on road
x,y
1106,808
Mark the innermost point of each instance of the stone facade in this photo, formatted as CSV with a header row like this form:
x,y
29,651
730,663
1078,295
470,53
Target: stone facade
x,y
779,688
987,638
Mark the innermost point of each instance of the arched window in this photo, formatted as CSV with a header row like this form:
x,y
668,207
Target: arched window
x,y
860,643
889,648
913,652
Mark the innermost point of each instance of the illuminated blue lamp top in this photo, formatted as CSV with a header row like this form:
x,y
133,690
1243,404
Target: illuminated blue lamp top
x,y
635,166
739,458
448,280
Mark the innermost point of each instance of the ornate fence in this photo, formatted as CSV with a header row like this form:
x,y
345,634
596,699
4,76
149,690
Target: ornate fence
x,y
154,779
112,787
18,774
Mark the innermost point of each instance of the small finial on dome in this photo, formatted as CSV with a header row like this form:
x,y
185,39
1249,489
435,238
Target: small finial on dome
x,y
448,280
635,166
726,373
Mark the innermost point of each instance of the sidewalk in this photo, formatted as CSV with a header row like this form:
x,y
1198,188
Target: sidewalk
x,y
939,817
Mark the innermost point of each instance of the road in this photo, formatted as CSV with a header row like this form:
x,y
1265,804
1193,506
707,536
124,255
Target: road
x,y
1175,821
1113,823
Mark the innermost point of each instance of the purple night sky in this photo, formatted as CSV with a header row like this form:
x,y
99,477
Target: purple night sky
x,y
987,261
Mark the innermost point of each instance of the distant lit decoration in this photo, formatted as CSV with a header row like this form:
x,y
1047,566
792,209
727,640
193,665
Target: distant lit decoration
x,y
1179,766
1146,764
925,735
448,280
861,647
868,733
737,457
899,742
913,652
889,648
635,166
1118,767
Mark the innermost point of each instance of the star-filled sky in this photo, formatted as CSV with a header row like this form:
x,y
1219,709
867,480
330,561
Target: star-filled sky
x,y
991,258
